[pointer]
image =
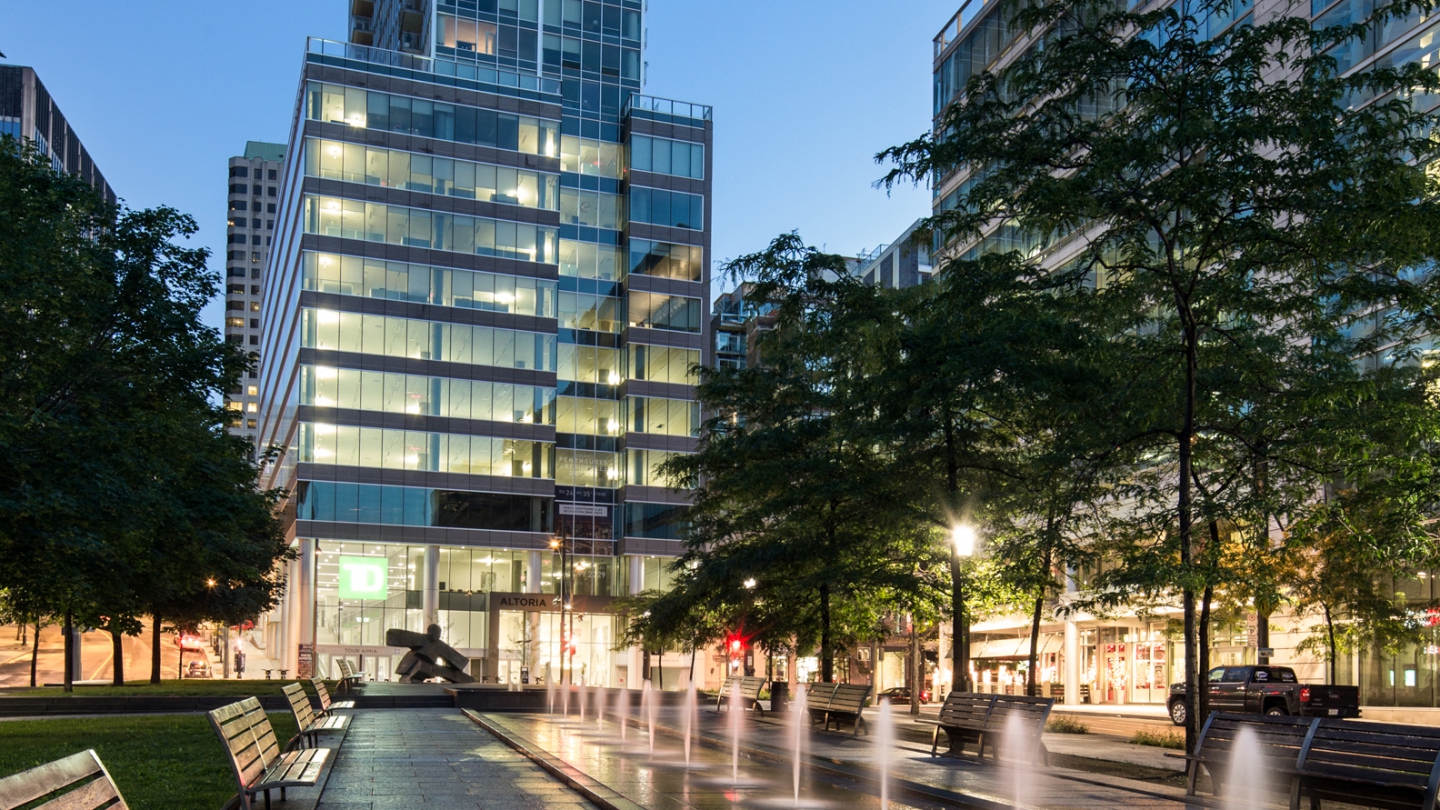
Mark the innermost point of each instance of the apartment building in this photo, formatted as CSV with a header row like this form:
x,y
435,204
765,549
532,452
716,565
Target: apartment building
x,y
253,197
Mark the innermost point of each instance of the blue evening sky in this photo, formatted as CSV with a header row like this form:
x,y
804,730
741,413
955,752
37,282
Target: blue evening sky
x,y
162,92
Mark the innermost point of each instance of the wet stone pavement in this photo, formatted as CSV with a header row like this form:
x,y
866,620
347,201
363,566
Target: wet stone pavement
x,y
661,780
404,758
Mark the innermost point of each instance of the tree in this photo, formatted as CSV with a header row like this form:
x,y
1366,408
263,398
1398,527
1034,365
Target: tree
x,y
795,494
1225,179
107,376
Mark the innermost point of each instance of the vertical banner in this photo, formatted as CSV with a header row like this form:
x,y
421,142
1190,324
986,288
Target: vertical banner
x,y
305,662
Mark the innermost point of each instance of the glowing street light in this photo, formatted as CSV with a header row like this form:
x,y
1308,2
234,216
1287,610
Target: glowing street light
x,y
750,584
964,538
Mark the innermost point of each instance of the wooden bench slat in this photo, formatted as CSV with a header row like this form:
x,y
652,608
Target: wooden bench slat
x,y
45,780
98,794
1395,753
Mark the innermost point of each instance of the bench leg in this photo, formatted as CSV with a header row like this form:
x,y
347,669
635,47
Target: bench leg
x,y
267,800
935,741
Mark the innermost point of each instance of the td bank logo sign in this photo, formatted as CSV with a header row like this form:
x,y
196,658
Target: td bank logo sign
x,y
363,577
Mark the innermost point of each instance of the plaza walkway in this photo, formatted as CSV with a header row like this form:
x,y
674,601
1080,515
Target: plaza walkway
x,y
402,758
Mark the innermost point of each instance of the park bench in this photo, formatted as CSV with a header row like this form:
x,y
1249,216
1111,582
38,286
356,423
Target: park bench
x,y
311,727
258,763
749,693
971,717
1386,765
1279,741
326,704
349,679
77,782
838,702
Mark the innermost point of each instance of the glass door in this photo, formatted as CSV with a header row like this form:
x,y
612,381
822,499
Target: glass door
x,y
1150,685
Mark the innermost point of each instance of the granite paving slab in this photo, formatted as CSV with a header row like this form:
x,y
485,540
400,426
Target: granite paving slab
x,y
399,759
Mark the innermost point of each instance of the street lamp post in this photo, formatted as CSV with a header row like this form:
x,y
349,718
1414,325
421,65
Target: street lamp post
x,y
558,544
962,546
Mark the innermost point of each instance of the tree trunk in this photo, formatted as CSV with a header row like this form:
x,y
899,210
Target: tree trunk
x,y
1031,687
69,651
117,640
1184,510
827,655
1330,632
155,649
34,653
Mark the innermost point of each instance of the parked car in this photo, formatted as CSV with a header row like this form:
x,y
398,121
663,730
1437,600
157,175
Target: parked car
x,y
197,669
1267,690
901,694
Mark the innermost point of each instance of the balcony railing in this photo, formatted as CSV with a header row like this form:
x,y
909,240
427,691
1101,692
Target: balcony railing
x,y
434,67
666,107
957,23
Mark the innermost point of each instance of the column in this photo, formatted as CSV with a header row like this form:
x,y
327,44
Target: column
x,y
431,601
534,579
1072,648
306,607
290,629
635,658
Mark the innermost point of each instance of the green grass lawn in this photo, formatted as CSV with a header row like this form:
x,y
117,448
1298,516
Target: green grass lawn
x,y
160,762
195,687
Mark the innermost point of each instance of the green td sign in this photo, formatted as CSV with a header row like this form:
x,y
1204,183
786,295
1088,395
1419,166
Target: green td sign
x,y
362,577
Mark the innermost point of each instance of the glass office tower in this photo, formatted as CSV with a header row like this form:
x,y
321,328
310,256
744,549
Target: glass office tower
x,y
482,314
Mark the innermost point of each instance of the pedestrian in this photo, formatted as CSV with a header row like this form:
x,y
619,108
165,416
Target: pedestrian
x,y
239,664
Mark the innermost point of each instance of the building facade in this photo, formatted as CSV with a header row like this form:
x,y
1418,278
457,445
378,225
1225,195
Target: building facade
x,y
1132,656
902,263
27,111
481,321
253,201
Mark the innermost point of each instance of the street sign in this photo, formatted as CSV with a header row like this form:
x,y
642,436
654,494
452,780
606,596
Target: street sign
x,y
584,510
363,577
1266,651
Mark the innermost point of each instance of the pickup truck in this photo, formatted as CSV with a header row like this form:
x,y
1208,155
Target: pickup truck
x,y
1267,690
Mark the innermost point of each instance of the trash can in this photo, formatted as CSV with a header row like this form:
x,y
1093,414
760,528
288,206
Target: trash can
x,y
779,696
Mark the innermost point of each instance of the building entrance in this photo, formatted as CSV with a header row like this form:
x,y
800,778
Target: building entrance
x,y
527,637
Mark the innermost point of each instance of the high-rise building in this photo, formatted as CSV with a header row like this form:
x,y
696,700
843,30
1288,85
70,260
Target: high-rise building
x,y
27,111
254,196
480,323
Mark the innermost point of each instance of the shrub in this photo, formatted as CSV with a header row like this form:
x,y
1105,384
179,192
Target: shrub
x,y
1066,725
1159,739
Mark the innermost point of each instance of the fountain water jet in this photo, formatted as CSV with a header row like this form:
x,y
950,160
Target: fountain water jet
x,y
737,720
1018,750
580,693
799,728
647,706
884,744
565,699
622,710
599,708
1246,783
692,704
550,696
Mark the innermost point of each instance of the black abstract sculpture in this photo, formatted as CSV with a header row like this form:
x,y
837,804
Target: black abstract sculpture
x,y
429,657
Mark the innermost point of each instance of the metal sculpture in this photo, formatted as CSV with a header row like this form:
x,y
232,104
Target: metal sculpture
x,y
429,657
